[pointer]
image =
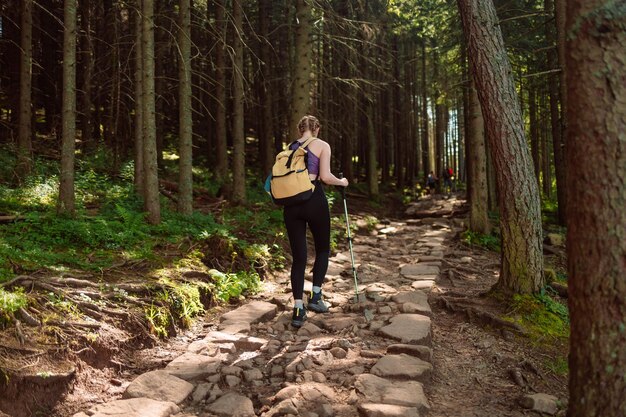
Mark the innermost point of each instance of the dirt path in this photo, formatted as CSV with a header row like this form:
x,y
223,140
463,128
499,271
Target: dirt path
x,y
374,358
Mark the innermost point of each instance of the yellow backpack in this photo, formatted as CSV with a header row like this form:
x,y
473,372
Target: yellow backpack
x,y
289,182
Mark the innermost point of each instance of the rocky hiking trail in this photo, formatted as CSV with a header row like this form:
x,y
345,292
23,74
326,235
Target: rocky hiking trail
x,y
381,357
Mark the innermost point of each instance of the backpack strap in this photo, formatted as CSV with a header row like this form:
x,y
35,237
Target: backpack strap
x,y
308,142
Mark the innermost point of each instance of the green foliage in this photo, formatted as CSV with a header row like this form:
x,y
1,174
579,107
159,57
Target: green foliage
x,y
558,365
489,242
184,301
158,319
541,315
233,285
10,302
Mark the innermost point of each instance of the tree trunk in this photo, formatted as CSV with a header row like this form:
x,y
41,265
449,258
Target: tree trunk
x,y
425,141
239,169
66,189
556,118
520,214
221,165
546,169
151,186
301,85
88,66
372,165
266,135
185,180
478,196
534,130
139,179
596,220
25,129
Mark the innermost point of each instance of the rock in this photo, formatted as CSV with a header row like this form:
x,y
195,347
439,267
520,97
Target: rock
x,y
338,352
466,260
336,324
325,410
232,405
81,414
375,297
541,403
408,328
202,347
437,254
231,370
386,410
134,407
276,370
370,354
404,393
314,392
356,370
419,269
254,312
402,366
287,392
422,352
425,285
319,377
375,325
232,380
201,392
384,310
253,374
241,341
413,302
285,407
554,239
159,385
309,329
190,366
369,315
234,327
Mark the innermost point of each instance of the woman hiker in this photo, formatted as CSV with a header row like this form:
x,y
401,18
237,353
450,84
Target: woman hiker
x,y
314,213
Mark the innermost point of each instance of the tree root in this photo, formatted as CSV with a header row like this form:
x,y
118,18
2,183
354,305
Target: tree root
x,y
473,312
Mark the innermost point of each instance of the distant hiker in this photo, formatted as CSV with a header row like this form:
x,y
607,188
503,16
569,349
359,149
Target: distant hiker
x,y
314,213
431,182
447,179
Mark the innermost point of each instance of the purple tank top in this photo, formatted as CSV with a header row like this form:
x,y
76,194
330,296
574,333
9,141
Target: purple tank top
x,y
313,162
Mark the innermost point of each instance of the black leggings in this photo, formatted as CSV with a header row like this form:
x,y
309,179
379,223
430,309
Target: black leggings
x,y
313,212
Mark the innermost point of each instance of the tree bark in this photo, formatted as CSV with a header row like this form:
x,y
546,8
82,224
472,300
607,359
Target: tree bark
x,y
520,215
534,130
221,165
596,220
301,85
66,188
151,186
478,195
25,129
239,169
139,179
185,180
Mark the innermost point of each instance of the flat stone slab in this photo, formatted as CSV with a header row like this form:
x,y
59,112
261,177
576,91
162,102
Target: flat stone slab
x,y
190,366
386,410
159,385
384,391
422,352
419,269
402,366
232,405
408,328
134,407
254,312
241,341
413,302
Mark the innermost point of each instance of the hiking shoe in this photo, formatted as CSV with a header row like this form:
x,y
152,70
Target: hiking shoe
x,y
316,303
298,317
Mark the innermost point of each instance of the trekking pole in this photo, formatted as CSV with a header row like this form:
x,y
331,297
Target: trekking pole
x,y
345,210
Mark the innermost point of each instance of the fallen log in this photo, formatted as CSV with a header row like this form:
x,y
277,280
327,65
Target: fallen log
x,y
11,219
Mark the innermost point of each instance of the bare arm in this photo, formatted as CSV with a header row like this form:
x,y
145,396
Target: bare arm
x,y
326,176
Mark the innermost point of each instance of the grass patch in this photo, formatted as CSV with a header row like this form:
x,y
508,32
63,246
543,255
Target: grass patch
x,y
489,242
10,302
541,315
558,365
